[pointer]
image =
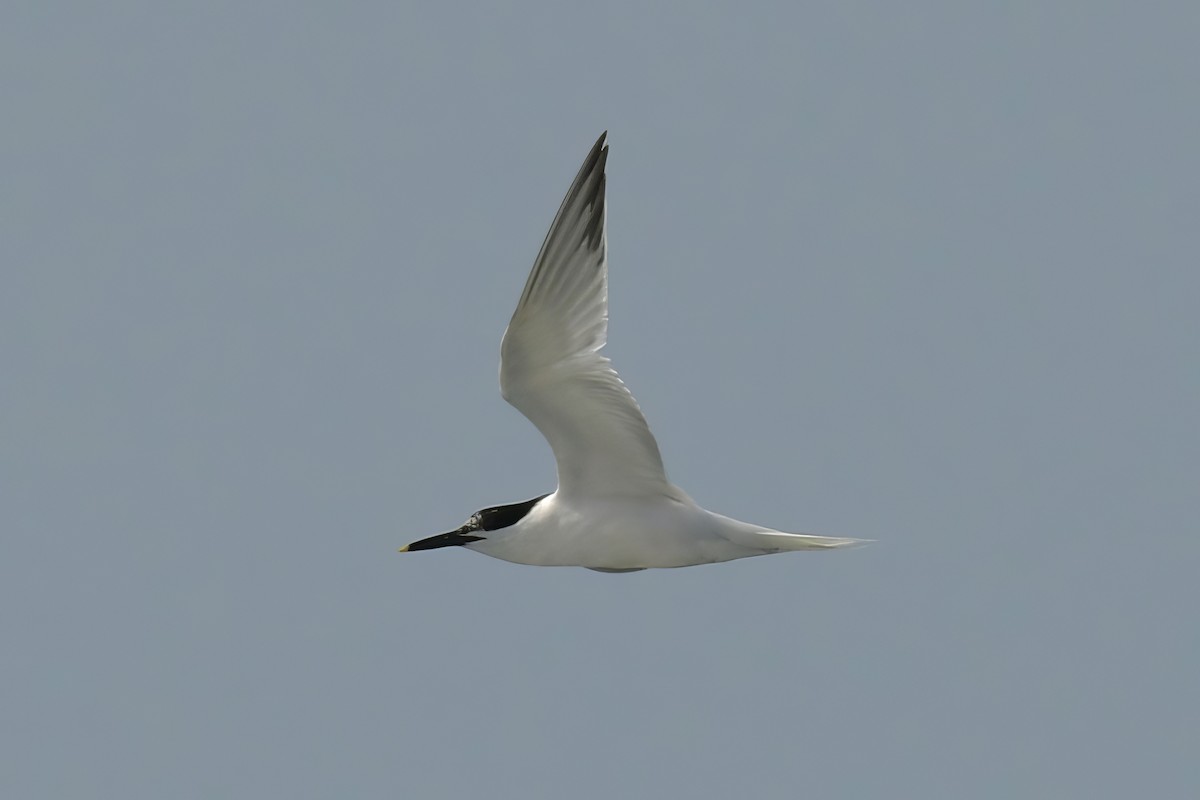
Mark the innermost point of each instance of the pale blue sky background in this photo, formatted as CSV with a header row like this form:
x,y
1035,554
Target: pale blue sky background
x,y
925,273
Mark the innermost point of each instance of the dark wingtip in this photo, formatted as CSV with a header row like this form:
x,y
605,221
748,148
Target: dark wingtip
x,y
585,198
598,154
595,163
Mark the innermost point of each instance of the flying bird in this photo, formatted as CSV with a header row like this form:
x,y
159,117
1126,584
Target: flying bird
x,y
614,509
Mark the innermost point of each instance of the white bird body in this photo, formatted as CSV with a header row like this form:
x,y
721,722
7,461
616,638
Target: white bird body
x,y
614,510
617,534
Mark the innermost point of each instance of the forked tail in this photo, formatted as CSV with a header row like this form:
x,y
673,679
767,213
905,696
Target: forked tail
x,y
772,541
777,540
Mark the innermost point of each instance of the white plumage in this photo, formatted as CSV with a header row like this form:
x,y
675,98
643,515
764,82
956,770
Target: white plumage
x,y
614,509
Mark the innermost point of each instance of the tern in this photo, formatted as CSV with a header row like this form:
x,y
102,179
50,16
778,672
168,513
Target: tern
x,y
614,509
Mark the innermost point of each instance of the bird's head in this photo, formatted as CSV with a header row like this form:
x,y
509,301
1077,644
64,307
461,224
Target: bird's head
x,y
464,535
482,521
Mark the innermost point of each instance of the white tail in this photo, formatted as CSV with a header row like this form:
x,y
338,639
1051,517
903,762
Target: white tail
x,y
777,540
768,540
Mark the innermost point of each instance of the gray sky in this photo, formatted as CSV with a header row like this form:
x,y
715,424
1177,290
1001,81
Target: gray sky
x,y
924,273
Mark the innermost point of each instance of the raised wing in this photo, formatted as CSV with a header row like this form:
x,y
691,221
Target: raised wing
x,y
550,365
